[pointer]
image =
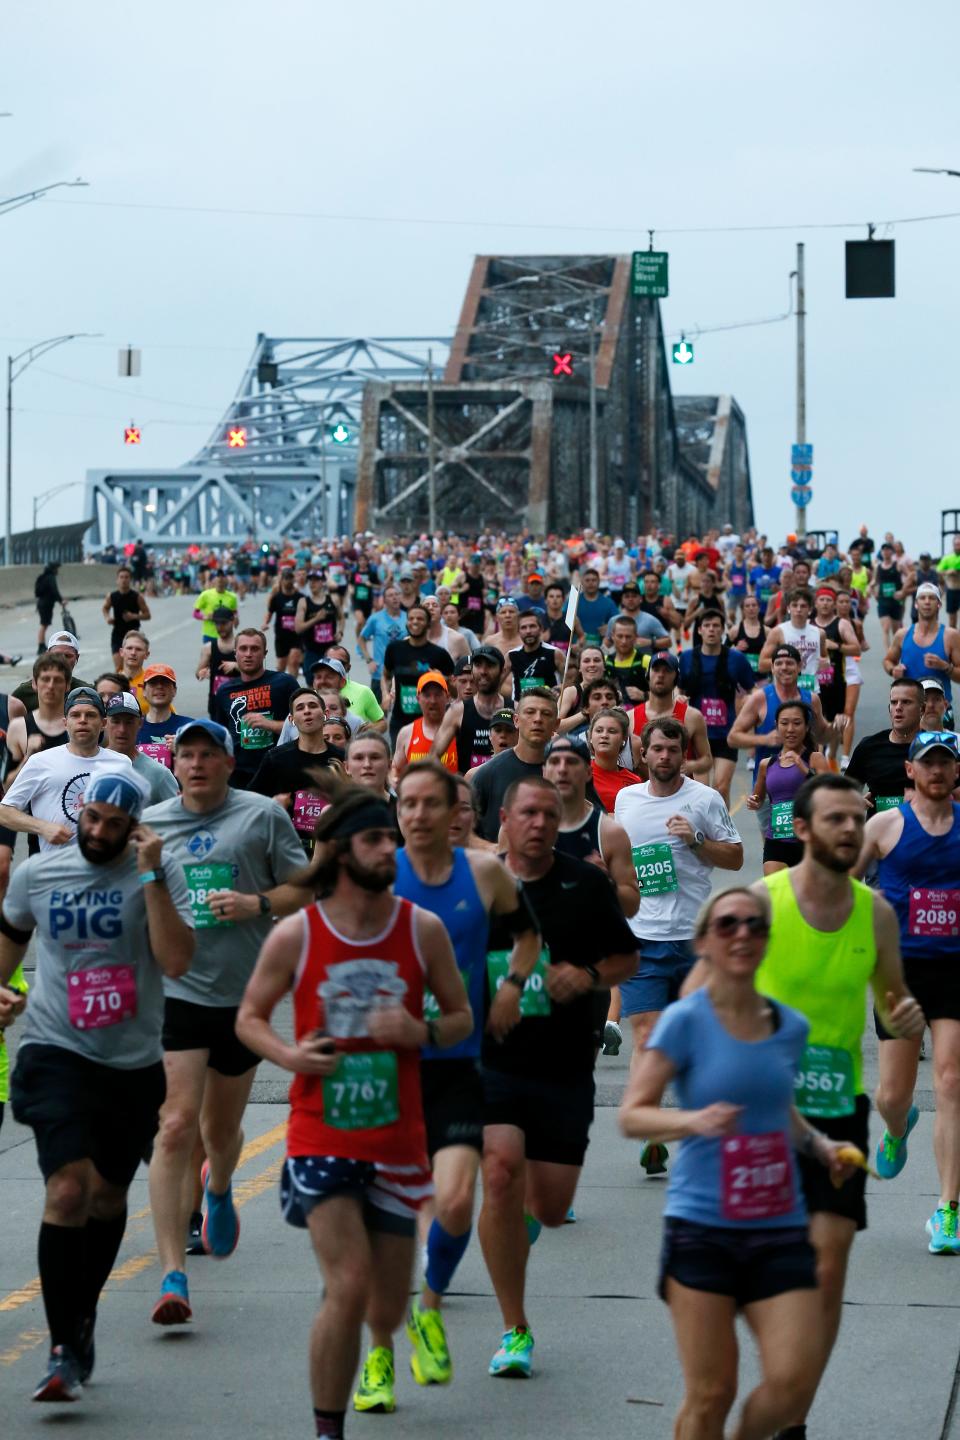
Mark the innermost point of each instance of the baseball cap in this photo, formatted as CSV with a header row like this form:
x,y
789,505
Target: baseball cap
x,y
122,788
462,664
490,653
928,740
574,743
534,575
665,657
503,717
507,600
316,575
160,672
63,637
928,588
933,685
217,733
336,665
432,677
632,586
223,612
83,695
789,652
406,572
124,704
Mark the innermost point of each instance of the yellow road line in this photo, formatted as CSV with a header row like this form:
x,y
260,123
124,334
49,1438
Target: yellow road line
x,y
254,1148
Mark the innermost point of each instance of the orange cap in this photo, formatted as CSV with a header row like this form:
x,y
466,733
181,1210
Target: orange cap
x,y
433,677
159,672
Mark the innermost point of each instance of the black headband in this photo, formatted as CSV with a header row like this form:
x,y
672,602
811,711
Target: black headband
x,y
372,815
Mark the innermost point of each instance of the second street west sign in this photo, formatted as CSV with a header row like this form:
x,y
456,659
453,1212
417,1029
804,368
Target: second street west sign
x,y
648,274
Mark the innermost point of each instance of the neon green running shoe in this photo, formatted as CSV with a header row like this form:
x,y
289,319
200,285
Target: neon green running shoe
x,y
942,1229
653,1158
430,1361
515,1354
375,1391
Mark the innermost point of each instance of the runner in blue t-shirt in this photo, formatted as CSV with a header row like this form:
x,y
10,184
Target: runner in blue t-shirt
x,y
383,626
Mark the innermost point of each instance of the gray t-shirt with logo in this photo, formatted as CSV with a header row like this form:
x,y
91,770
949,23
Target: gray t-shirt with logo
x,y
98,990
247,844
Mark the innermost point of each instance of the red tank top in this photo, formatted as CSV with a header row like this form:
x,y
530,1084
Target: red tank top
x,y
419,748
370,1108
680,708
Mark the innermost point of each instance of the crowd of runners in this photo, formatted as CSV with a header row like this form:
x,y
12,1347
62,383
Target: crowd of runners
x,y
465,802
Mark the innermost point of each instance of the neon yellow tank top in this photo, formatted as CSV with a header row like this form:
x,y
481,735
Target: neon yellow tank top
x,y
824,975
18,982
860,579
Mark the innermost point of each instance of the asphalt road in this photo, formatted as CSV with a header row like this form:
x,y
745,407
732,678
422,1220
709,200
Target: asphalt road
x,y
605,1361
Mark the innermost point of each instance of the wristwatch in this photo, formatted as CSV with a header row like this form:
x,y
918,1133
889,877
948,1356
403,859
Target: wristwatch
x,y
512,979
699,840
146,876
265,907
593,972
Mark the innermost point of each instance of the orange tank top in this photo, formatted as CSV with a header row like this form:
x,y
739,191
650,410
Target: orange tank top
x,y
419,748
370,1108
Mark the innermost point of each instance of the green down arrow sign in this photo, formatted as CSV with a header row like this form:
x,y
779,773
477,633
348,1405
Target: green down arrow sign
x,y
683,354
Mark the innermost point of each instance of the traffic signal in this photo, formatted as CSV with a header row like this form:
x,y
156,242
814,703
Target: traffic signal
x,y
340,433
236,437
683,353
562,363
131,434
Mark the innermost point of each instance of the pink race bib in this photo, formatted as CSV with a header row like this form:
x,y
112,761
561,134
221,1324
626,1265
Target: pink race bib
x,y
473,602
935,912
307,808
825,674
756,1178
323,634
476,760
713,709
286,622
157,751
219,680
104,995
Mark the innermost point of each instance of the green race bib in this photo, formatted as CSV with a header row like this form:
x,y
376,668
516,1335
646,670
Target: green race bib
x,y
805,682
534,1001
362,1093
530,682
753,661
252,737
362,592
823,1086
408,700
655,869
888,802
781,820
431,1005
888,588
201,879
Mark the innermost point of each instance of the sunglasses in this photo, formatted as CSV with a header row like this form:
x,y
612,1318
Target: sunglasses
x,y
947,738
728,925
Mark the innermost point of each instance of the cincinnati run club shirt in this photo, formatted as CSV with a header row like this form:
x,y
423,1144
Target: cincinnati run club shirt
x,y
268,695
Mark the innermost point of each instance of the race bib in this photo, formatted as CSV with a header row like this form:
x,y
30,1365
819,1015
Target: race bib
x,y
756,1178
805,682
307,809
534,999
474,602
753,661
656,869
201,879
935,912
252,737
156,750
431,1005
781,820
591,637
362,592
220,680
530,682
363,1092
104,995
713,710
823,1086
476,760
323,633
408,700
826,674
888,802
888,588
286,622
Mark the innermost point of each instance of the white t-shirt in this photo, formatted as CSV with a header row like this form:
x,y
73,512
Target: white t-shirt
x,y
679,576
807,641
51,784
674,881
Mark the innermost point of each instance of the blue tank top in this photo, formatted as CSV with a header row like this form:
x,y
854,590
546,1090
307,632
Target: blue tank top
x,y
921,879
911,656
459,906
769,722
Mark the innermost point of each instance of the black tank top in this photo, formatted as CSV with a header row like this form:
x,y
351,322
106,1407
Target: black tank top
x,y
584,840
4,727
755,643
888,581
50,742
473,738
834,694
217,657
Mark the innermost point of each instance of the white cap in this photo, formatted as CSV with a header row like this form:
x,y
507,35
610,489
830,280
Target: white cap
x,y
63,637
928,588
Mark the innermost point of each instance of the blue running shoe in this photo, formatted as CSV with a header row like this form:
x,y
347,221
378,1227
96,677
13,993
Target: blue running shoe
x,y
61,1384
515,1354
221,1224
571,1217
942,1229
533,1228
173,1307
892,1149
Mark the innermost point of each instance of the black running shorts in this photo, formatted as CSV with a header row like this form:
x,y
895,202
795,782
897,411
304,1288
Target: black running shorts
x,y
452,1104
555,1118
207,1027
819,1191
745,1264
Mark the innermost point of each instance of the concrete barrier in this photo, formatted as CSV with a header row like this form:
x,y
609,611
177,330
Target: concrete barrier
x,y
81,581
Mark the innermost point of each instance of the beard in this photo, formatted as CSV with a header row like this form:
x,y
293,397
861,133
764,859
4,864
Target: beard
x,y
98,852
374,881
829,860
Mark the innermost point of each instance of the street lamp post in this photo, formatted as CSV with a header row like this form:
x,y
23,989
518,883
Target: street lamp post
x,y
14,369
40,500
14,202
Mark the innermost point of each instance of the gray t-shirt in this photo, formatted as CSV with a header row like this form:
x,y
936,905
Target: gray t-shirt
x,y
247,844
160,780
98,990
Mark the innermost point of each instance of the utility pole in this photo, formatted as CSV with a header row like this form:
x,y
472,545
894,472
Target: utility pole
x,y
800,523
431,452
8,529
594,478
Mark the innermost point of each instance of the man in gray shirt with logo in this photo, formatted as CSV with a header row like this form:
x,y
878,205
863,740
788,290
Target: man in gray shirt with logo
x,y
112,919
236,851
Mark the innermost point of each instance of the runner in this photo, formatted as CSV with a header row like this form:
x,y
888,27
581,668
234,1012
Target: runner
x,y
927,646
368,764
750,635
282,606
506,637
46,591
121,726
934,706
949,568
123,609
133,657
842,644
288,773
735,1221
538,1079
464,890
238,852
467,723
608,737
218,656
253,707
217,597
318,622
364,588
879,761
592,666
715,678
887,589
160,724
382,627
917,847
13,1000
779,777
45,727
61,642
809,642
533,664
404,662
662,700
415,741
112,920
357,961
536,723
852,674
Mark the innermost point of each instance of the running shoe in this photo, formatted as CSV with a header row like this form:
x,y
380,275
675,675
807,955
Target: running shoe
x,y
173,1307
571,1217
533,1228
61,1383
375,1391
86,1349
653,1158
515,1354
612,1038
195,1234
220,1231
892,1149
15,659
430,1361
942,1229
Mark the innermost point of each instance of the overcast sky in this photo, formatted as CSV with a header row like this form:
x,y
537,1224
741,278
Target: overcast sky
x,y
539,128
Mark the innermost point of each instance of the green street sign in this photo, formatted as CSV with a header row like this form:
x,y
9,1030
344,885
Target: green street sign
x,y
683,353
648,275
339,433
